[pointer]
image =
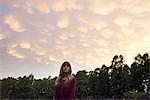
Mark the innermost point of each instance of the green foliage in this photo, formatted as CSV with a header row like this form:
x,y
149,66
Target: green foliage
x,y
137,96
26,87
118,81
8,87
82,84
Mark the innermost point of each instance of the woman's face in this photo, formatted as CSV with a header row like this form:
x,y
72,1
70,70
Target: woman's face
x,y
66,68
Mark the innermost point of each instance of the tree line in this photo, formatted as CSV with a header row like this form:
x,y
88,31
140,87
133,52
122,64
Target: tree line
x,y
118,81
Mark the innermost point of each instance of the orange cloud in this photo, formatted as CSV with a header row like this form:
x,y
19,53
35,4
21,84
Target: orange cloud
x,y
136,7
63,21
107,33
102,7
14,53
25,45
40,52
122,21
2,36
62,5
43,40
14,23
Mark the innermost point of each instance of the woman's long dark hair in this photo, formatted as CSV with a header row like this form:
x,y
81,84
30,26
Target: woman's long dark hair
x,y
61,74
61,69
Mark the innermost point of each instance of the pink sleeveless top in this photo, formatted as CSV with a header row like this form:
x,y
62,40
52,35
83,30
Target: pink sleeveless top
x,y
65,90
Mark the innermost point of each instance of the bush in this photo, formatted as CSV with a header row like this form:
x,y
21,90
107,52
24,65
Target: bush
x,y
137,96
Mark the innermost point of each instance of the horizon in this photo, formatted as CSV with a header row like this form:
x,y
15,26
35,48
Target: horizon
x,y
72,72
37,36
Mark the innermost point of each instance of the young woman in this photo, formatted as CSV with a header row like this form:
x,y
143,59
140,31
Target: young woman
x,y
65,83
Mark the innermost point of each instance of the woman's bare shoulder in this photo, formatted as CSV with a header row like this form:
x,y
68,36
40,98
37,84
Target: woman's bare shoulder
x,y
72,77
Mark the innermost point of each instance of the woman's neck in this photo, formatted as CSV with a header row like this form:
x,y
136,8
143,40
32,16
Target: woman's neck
x,y
66,75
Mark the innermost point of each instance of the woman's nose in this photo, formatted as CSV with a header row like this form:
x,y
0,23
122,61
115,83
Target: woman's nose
x,y
66,66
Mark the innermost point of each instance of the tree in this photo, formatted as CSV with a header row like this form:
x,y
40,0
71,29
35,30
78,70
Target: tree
x,y
82,84
146,72
24,87
137,74
117,81
92,84
119,76
102,83
8,88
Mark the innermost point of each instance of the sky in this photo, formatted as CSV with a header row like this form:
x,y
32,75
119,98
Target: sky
x,y
37,36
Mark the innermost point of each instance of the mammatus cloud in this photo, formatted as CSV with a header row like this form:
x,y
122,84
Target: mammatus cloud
x,y
62,5
102,7
122,21
13,23
107,33
2,36
42,34
63,22
16,54
25,44
137,7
